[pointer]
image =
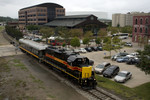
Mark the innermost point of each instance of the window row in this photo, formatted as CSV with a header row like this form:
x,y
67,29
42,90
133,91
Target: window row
x,y
60,10
142,21
141,30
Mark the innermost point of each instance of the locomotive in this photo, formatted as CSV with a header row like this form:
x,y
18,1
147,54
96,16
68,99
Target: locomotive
x,y
75,66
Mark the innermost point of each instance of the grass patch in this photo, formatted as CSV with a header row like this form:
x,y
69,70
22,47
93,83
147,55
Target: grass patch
x,y
1,28
50,96
36,80
107,57
117,88
4,65
19,83
143,90
19,64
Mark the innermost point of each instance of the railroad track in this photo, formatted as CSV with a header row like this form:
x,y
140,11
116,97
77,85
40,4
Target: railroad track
x,y
99,95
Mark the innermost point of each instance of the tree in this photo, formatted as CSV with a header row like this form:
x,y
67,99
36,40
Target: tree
x,y
126,29
86,41
88,34
75,42
76,33
102,33
106,39
113,30
46,32
144,57
98,41
32,27
116,40
108,46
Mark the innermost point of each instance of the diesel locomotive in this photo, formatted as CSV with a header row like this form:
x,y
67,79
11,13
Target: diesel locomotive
x,y
75,66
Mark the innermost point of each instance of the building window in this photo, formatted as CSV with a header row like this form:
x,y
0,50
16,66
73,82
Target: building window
x,y
140,30
135,30
136,21
146,30
146,21
141,21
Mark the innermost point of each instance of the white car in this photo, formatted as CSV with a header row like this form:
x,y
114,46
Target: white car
x,y
99,69
82,50
123,76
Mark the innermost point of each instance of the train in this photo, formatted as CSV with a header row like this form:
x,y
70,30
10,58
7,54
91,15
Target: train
x,y
76,67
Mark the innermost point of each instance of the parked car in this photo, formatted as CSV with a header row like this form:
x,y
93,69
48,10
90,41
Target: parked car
x,y
123,76
100,48
128,44
88,49
135,54
111,71
133,60
94,48
82,50
76,51
100,68
122,54
122,59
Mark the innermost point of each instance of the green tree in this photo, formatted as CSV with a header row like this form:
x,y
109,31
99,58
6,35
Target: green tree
x,y
75,42
126,29
86,41
33,27
98,41
116,40
108,46
46,32
102,33
106,39
76,33
88,34
113,30
144,64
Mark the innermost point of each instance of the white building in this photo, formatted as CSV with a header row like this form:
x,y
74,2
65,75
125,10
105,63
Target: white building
x,y
124,19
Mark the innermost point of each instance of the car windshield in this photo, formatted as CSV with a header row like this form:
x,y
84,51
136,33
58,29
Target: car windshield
x,y
100,66
121,74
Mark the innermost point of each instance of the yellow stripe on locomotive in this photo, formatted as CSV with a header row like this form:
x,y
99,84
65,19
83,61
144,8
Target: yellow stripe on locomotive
x,y
86,72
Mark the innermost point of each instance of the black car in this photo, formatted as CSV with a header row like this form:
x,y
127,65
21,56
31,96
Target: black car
x,y
133,61
100,48
94,48
111,71
88,49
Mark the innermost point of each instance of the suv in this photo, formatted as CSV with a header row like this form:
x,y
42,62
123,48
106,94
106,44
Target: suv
x,y
111,71
100,68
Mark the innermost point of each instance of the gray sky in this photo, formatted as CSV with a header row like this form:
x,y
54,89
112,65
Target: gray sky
x,y
10,7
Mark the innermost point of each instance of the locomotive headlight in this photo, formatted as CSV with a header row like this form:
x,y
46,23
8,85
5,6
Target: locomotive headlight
x,y
85,81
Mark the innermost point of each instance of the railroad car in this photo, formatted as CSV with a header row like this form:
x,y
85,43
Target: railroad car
x,y
75,66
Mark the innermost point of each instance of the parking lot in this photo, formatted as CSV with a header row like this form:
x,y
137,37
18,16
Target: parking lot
x,y
138,77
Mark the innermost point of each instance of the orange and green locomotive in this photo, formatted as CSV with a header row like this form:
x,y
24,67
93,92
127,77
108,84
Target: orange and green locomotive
x,y
75,66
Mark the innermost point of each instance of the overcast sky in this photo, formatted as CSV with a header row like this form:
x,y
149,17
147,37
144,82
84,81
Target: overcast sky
x,y
11,7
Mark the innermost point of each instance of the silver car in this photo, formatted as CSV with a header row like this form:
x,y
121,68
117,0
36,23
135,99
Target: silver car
x,y
123,76
99,69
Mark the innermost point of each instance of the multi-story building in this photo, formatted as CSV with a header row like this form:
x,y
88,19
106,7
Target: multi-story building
x,y
123,20
141,28
39,14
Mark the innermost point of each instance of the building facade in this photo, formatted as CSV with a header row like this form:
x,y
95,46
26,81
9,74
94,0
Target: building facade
x,y
141,29
84,22
39,14
122,20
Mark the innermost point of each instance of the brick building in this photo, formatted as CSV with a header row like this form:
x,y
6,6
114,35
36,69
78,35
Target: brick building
x,y
141,28
39,14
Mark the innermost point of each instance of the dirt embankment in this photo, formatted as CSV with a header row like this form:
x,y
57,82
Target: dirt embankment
x,y
17,82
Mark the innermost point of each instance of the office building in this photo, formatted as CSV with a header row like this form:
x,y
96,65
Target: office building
x,y
39,14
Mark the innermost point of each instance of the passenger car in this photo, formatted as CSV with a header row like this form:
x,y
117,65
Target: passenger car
x,y
111,71
123,76
88,49
100,48
133,60
122,59
101,67
128,44
94,48
122,54
82,50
